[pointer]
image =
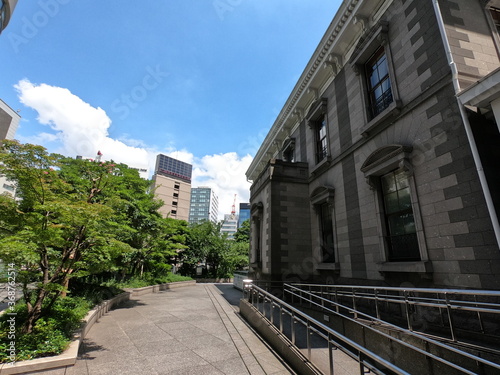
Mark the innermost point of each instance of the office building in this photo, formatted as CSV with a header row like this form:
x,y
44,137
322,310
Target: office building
x,y
229,225
9,122
6,10
244,213
172,185
382,167
204,205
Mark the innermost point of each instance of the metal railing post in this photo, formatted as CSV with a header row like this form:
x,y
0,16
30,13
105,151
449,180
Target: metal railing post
x,y
408,314
330,353
308,339
481,326
354,303
450,319
336,300
376,304
281,318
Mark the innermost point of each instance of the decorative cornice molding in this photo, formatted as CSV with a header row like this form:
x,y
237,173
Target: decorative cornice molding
x,y
303,83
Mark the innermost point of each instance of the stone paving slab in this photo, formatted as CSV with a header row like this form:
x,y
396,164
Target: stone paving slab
x,y
191,330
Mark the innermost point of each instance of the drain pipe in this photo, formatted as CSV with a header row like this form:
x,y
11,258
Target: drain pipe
x,y
467,126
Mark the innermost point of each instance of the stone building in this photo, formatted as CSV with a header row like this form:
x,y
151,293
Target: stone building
x,y
382,168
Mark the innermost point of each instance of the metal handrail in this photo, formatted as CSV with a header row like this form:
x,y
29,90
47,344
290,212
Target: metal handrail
x,y
321,304
431,298
333,338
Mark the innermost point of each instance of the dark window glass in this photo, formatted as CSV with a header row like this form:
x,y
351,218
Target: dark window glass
x,y
321,140
379,84
289,154
495,15
401,233
327,249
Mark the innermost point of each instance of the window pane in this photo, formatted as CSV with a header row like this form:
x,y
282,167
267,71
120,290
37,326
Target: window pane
x,y
382,67
386,85
401,232
388,183
379,85
404,199
391,203
401,180
374,79
327,247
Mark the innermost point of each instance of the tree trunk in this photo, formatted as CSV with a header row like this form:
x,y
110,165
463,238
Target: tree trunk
x,y
35,312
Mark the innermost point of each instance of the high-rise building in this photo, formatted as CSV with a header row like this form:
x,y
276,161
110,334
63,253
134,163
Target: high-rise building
x,y
244,213
9,121
230,225
6,9
204,205
172,184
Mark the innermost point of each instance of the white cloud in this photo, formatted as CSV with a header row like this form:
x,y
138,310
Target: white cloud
x,y
225,173
81,129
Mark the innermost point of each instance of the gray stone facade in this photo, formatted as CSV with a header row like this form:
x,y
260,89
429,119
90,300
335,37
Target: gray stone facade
x,y
421,133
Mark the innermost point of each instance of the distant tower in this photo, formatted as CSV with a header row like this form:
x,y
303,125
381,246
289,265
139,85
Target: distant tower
x,y
233,208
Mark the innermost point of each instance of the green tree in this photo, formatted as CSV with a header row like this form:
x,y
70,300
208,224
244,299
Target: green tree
x,y
206,244
74,218
243,232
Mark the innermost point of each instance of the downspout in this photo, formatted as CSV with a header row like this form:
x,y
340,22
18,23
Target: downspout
x,y
468,129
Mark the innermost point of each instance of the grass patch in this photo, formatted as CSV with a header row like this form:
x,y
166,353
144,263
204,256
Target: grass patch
x,y
146,280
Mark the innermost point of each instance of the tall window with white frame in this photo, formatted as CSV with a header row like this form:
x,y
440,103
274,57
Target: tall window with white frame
x,y
321,139
378,82
327,244
401,237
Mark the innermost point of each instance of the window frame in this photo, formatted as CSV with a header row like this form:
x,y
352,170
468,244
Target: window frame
x,y
393,255
318,115
380,162
288,151
374,64
495,32
376,39
324,197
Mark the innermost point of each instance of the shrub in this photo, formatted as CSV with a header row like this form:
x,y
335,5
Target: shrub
x,y
51,334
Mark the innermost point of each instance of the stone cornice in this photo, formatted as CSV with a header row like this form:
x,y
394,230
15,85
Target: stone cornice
x,y
323,57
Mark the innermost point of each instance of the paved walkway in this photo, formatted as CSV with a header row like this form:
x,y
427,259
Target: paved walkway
x,y
189,330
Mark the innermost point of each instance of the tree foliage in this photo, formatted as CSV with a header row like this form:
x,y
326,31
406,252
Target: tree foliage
x,y
74,218
208,246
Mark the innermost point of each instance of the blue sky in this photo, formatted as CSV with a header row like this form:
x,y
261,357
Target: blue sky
x,y
200,80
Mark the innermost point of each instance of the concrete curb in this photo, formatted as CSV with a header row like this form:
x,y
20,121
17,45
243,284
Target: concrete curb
x,y
69,356
135,292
